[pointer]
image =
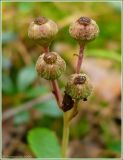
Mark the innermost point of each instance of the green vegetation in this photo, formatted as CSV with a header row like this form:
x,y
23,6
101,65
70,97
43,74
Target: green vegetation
x,y
98,123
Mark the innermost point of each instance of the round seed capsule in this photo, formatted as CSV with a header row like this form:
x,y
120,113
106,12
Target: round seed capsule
x,y
79,86
42,31
84,30
50,66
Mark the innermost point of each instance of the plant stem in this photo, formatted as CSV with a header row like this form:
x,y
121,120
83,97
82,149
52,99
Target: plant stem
x,y
74,110
55,86
80,58
65,138
67,115
46,49
57,92
67,118
71,113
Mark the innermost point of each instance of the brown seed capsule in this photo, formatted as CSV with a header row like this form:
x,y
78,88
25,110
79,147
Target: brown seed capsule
x,y
67,103
79,86
50,58
50,66
84,30
84,20
42,31
40,20
80,80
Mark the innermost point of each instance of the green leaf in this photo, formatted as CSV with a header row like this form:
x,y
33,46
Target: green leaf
x,y
26,77
109,140
49,108
37,91
114,146
7,84
44,143
105,54
22,117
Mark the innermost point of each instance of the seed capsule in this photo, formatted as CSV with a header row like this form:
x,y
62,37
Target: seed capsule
x,y
42,31
84,30
50,66
79,87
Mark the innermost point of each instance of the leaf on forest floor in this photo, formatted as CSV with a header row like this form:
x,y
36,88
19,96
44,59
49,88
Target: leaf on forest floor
x,y
44,143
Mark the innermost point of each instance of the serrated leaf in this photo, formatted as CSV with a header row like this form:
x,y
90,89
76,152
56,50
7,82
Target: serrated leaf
x,y
26,77
49,108
43,143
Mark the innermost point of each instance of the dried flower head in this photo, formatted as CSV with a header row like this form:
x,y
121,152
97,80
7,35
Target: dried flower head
x,y
42,30
84,30
50,66
79,86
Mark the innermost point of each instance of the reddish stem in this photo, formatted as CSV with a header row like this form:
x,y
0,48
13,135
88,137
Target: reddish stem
x,y
57,92
80,58
46,49
55,86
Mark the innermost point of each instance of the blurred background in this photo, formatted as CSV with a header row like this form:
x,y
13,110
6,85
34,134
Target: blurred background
x,y
27,100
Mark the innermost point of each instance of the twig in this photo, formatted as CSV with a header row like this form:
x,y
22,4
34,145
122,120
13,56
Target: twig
x,y
46,49
74,110
80,58
57,92
78,67
11,112
71,113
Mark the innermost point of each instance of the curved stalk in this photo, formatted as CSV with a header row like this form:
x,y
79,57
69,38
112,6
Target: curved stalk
x,y
71,113
55,87
57,92
68,116
65,138
80,58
